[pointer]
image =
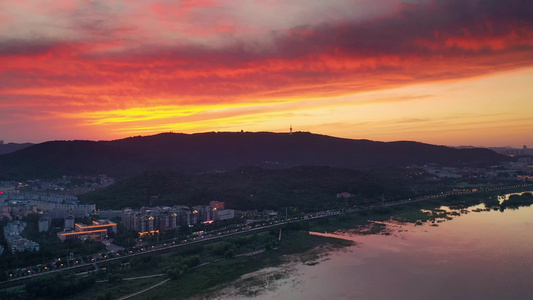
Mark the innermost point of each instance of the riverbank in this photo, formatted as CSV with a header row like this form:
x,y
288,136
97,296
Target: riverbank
x,y
350,227
205,283
227,268
483,254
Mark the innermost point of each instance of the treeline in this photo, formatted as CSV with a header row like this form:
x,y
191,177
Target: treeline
x,y
53,286
308,188
516,201
58,285
177,269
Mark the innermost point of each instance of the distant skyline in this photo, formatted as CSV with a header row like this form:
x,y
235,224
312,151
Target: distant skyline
x,y
447,72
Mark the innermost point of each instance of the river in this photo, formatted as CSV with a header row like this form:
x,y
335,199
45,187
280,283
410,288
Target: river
x,y
478,255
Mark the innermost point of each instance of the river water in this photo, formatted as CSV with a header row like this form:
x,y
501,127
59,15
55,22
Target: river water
x,y
478,255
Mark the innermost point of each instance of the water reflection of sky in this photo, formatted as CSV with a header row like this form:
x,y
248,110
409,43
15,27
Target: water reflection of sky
x,y
479,255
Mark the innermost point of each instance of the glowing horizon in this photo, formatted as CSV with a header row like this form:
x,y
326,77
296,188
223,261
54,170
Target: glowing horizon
x,y
441,72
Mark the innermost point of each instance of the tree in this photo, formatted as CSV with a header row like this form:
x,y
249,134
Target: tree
x,y
3,276
229,253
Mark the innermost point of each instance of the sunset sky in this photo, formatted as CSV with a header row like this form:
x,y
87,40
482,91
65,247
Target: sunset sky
x,y
451,72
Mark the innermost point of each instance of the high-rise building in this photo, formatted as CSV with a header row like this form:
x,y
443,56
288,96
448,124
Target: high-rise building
x,y
44,223
69,222
128,218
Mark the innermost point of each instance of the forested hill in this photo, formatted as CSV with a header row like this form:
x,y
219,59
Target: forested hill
x,y
308,188
12,147
225,151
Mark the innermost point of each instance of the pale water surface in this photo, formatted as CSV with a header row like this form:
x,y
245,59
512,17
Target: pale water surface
x,y
479,255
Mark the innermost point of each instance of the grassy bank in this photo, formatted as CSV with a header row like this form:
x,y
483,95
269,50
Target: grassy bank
x,y
296,244
429,211
215,264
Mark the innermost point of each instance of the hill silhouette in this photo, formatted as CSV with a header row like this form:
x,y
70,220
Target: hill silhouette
x,y
12,147
212,151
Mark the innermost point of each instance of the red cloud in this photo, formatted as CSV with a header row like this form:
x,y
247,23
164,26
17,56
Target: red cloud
x,y
445,40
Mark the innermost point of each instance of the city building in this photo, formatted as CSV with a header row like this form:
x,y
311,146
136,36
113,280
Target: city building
x,y
98,230
69,222
128,218
45,221
5,212
203,213
526,151
224,214
153,219
15,242
59,206
216,204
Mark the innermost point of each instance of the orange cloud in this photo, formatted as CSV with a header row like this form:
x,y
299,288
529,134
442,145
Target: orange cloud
x,y
117,73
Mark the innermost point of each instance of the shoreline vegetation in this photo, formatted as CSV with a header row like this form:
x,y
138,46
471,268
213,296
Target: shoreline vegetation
x,y
246,266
